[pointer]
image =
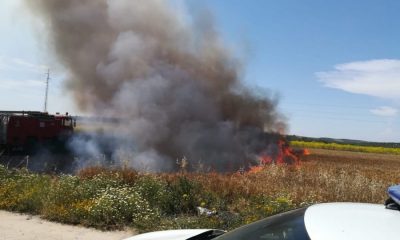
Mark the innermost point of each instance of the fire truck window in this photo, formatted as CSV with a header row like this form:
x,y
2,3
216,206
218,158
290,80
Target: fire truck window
x,y
41,124
67,122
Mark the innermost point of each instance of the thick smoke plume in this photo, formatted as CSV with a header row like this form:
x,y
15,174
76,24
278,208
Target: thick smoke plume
x,y
166,75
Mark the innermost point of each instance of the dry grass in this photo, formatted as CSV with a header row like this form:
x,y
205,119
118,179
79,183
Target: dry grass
x,y
125,175
323,176
104,198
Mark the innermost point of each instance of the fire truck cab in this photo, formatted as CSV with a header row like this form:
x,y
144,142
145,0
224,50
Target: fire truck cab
x,y
21,130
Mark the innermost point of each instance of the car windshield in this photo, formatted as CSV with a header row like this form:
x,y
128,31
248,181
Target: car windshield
x,y
285,226
208,235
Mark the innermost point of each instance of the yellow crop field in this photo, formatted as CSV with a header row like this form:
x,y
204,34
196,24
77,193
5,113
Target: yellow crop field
x,y
345,147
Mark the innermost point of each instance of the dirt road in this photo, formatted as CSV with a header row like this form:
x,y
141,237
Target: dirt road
x,y
14,226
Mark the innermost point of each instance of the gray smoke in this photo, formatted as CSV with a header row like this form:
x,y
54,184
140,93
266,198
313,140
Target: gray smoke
x,y
169,77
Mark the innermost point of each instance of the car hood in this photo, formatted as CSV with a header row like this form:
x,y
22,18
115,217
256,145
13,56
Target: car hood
x,y
330,221
171,234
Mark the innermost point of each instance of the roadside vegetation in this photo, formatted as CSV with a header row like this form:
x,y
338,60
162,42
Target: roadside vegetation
x,y
346,147
118,198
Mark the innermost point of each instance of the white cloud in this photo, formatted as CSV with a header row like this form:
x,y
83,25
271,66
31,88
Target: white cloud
x,y
2,65
14,84
385,111
378,78
19,64
29,66
18,74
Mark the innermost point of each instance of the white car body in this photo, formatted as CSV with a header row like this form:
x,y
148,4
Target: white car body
x,y
325,221
353,221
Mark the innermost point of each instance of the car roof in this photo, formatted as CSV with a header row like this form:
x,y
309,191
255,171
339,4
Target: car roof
x,y
351,221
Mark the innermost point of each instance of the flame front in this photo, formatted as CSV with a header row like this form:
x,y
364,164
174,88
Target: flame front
x,y
284,155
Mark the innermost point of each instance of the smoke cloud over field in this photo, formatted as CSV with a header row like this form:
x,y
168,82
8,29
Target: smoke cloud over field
x,y
166,74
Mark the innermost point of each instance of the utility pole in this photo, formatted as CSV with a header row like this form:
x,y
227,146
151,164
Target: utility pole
x,y
47,90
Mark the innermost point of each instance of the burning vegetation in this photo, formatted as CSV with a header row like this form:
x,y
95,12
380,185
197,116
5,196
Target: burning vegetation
x,y
172,80
108,198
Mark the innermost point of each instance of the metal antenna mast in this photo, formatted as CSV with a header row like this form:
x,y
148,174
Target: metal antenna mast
x,y
47,89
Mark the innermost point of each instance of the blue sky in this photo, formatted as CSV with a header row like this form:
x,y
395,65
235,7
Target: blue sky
x,y
334,64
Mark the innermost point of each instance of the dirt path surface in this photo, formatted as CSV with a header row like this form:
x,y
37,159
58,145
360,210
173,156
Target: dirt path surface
x,y
14,226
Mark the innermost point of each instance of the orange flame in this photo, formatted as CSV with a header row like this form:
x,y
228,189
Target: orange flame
x,y
256,169
285,155
306,152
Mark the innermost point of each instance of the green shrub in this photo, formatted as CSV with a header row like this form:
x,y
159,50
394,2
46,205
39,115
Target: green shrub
x,y
61,198
4,173
23,192
183,196
70,197
115,206
154,190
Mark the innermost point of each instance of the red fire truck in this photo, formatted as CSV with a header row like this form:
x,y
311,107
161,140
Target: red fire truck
x,y
28,130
